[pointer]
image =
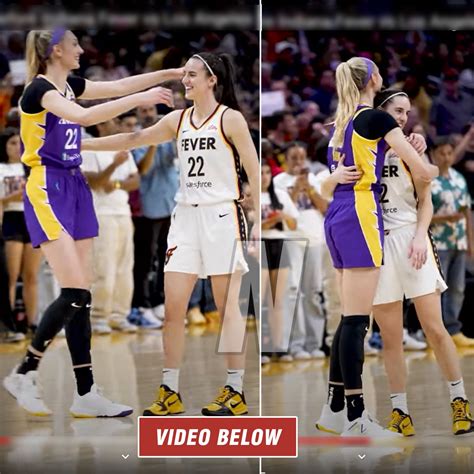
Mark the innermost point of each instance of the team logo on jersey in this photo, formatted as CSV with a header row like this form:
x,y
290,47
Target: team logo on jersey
x,y
169,252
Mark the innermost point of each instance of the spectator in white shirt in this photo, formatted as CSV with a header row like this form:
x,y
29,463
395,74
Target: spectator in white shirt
x,y
112,176
304,190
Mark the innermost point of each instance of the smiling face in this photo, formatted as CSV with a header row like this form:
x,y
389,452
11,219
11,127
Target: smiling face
x,y
399,108
197,81
68,51
296,159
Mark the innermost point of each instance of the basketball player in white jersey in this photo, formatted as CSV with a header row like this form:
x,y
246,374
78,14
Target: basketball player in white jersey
x,y
207,234
411,270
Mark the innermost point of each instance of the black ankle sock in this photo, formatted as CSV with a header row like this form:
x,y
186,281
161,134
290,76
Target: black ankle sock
x,y
84,379
30,362
336,397
355,406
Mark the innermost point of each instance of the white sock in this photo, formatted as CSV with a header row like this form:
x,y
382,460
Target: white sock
x,y
171,379
235,378
456,389
399,400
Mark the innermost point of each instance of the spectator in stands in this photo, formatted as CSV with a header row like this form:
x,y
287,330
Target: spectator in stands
x,y
22,258
453,109
279,216
304,189
452,232
158,187
464,157
325,95
112,176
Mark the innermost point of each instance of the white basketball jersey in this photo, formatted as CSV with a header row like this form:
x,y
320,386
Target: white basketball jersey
x,y
398,198
208,162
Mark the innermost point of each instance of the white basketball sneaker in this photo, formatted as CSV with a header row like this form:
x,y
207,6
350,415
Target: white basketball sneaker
x,y
367,426
331,421
95,405
27,391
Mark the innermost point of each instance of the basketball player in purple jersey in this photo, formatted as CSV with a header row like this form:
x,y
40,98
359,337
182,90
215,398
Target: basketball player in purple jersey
x,y
354,234
59,210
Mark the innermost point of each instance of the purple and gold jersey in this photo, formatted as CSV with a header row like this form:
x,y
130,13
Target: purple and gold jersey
x,y
367,154
47,139
353,223
57,196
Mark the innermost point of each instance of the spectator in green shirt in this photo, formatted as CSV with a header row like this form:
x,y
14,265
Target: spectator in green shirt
x,y
452,232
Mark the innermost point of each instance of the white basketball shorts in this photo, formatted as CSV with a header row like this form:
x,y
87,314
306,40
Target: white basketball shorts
x,y
398,278
207,239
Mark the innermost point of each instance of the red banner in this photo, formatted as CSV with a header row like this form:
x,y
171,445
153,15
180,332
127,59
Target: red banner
x,y
258,436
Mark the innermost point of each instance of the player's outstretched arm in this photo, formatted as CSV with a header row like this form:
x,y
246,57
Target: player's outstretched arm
x,y
129,85
54,102
162,131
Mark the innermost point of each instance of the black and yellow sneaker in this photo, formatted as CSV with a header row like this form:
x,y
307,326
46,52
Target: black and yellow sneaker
x,y
462,418
168,402
228,403
401,423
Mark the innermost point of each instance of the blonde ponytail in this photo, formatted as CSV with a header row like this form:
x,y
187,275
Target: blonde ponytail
x,y
351,78
37,43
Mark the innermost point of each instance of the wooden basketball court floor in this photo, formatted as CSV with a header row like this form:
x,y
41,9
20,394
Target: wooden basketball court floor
x,y
299,388
128,368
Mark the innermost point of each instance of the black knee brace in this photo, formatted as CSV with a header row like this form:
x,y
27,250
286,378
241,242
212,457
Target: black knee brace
x,y
57,315
351,349
335,374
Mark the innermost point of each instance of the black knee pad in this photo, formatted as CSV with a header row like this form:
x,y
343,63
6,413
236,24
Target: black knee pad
x,y
351,349
59,312
335,374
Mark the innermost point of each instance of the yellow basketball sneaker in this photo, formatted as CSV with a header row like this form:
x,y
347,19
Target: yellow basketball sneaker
x,y
228,403
401,423
168,402
462,418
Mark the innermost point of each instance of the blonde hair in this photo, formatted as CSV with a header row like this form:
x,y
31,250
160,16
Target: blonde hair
x,y
351,78
37,44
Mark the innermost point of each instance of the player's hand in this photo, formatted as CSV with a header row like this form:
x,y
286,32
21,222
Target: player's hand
x,y
177,74
418,252
157,95
109,186
15,196
346,174
120,158
418,142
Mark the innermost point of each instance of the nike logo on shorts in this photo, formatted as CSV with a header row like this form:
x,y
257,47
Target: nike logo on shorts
x,y
76,305
223,215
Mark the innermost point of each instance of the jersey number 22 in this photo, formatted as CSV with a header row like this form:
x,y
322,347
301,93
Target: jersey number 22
x,y
195,163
